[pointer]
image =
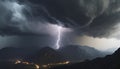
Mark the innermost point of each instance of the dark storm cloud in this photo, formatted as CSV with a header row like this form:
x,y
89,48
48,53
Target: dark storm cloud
x,y
32,42
27,42
76,12
12,19
91,17
17,18
15,31
104,24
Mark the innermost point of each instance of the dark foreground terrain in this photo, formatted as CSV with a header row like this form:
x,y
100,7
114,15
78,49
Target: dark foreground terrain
x,y
108,62
45,58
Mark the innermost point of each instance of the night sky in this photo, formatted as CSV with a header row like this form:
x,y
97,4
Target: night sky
x,y
35,23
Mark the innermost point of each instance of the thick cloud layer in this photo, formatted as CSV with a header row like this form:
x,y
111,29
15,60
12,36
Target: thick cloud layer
x,y
12,19
96,18
90,17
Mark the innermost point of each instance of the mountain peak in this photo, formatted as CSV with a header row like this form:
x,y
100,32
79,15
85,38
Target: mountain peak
x,y
117,52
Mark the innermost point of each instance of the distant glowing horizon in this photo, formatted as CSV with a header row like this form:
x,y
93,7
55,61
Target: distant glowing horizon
x,y
98,43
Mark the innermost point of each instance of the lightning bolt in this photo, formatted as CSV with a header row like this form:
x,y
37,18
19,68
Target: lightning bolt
x,y
58,37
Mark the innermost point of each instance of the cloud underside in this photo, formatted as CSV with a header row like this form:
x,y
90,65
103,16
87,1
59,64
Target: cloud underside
x,y
90,17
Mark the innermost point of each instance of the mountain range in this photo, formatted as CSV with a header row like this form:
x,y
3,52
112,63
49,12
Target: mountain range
x,y
47,55
81,57
77,53
108,62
